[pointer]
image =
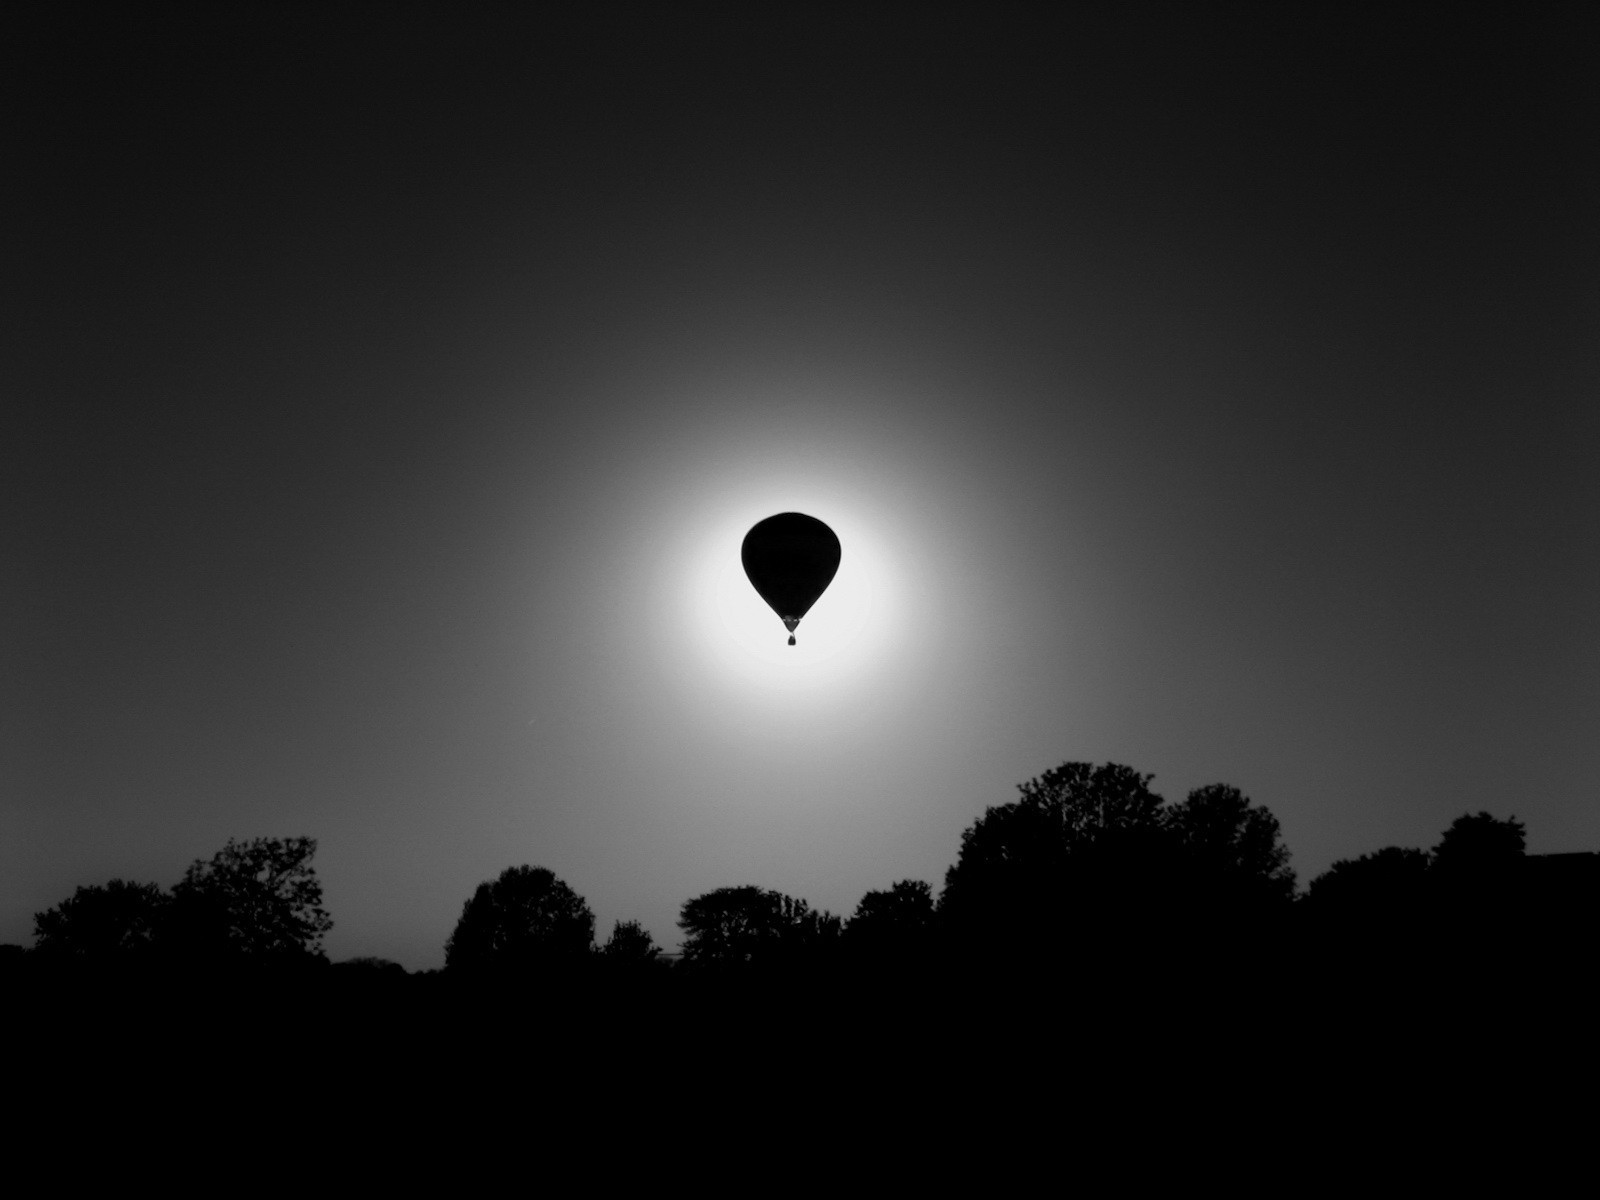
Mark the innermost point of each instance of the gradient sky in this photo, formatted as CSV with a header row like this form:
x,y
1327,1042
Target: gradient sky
x,y
386,394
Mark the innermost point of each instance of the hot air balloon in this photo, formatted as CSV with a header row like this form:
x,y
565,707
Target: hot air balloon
x,y
790,559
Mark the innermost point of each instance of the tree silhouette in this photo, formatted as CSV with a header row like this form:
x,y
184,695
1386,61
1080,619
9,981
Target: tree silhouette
x,y
1381,887
893,925
1233,850
1090,805
523,919
256,900
1479,885
1480,845
1083,852
1372,913
729,924
113,922
736,925
805,932
630,942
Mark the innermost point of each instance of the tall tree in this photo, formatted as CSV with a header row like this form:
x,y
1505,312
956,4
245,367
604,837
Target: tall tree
x,y
526,917
257,899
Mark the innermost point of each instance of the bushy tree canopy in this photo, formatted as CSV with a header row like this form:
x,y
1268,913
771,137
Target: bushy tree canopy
x,y
744,924
630,942
1374,886
908,904
1080,839
1089,805
102,923
1480,843
255,899
1233,850
1474,866
526,917
894,923
1089,854
1479,886
729,924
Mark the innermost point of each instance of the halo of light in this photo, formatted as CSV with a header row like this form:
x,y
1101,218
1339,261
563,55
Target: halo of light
x,y
848,633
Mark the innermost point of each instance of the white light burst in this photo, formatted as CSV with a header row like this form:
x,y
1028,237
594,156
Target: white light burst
x,y
849,630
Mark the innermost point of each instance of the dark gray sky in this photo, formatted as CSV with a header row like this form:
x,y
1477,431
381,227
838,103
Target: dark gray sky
x,y
386,394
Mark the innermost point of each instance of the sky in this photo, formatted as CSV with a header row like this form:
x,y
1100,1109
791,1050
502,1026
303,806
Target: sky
x,y
387,391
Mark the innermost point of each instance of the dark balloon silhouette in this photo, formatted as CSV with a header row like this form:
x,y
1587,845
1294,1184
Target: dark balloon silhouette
x,y
791,559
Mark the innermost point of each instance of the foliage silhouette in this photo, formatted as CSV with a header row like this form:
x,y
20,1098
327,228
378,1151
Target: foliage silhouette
x,y
630,942
895,925
1095,805
1479,846
728,925
1374,887
805,932
1082,856
1478,860
1466,901
739,925
1233,851
1375,909
256,901
1088,863
525,918
1478,887
102,924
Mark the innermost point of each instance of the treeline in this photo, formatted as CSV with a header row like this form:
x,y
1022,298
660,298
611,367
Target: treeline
x,y
1087,871
255,902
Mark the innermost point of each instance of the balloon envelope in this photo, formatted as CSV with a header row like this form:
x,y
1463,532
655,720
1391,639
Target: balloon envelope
x,y
790,559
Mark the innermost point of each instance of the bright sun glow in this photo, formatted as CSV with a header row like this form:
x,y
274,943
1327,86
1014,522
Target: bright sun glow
x,y
848,631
